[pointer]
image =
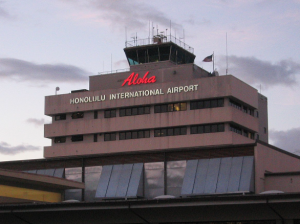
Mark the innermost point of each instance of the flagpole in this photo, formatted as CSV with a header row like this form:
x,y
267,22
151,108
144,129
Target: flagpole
x,y
213,61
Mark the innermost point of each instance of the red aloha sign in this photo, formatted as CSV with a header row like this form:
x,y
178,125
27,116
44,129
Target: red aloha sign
x,y
134,79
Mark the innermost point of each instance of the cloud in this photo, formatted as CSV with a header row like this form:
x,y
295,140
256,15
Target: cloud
x,y
255,71
7,149
121,63
36,122
20,70
287,140
4,13
133,15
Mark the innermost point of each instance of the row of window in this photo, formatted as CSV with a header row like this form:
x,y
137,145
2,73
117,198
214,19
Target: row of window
x,y
161,132
241,131
209,128
202,104
244,108
131,111
162,108
75,115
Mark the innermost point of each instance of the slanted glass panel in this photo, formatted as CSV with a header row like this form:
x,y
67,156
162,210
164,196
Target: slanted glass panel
x,y
49,172
124,180
223,180
30,171
42,172
200,177
173,54
59,172
189,177
153,54
142,56
132,57
135,180
164,53
180,56
247,174
104,181
212,176
235,174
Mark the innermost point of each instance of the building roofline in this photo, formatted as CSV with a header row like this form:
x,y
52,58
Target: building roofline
x,y
278,149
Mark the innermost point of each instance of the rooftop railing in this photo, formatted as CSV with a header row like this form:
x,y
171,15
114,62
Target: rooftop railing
x,y
158,39
114,71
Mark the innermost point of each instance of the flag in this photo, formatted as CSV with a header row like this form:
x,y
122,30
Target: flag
x,y
208,58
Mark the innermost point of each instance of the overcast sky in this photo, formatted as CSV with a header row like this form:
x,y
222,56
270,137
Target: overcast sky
x,y
50,43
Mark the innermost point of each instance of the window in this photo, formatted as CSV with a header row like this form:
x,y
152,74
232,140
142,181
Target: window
x,y
60,139
95,114
134,134
60,117
236,129
162,132
265,130
201,104
77,115
110,113
162,108
95,138
208,128
131,111
77,138
110,136
243,108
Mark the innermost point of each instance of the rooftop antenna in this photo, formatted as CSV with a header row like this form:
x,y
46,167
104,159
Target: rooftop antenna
x,y
125,36
149,32
170,29
226,56
111,63
167,34
56,89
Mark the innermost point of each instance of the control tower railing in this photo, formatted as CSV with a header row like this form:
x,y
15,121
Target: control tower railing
x,y
158,39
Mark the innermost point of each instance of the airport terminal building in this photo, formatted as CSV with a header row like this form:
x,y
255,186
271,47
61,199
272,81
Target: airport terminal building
x,y
162,142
